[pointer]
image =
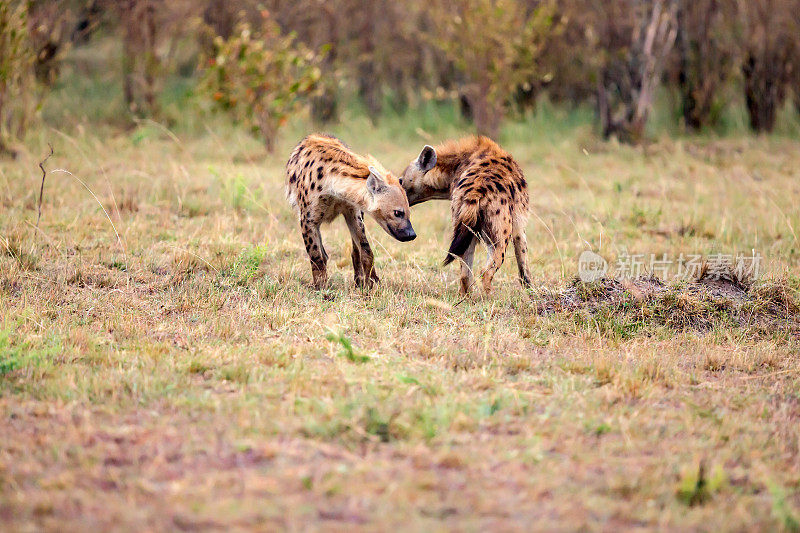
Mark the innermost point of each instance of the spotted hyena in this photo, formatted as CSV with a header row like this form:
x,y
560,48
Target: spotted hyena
x,y
327,179
488,199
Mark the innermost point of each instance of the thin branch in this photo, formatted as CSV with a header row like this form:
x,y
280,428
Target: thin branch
x,y
41,188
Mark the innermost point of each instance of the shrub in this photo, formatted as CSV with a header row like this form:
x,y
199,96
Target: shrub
x,y
705,60
503,58
262,77
635,39
17,81
770,44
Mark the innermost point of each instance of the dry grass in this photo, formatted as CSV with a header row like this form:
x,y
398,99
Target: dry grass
x,y
186,376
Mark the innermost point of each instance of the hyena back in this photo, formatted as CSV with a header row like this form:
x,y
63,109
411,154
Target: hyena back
x,y
326,179
488,200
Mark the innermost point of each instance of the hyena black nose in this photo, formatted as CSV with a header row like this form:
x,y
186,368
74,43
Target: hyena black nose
x,y
409,235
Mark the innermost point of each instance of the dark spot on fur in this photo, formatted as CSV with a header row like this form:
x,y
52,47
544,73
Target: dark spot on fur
x,y
319,172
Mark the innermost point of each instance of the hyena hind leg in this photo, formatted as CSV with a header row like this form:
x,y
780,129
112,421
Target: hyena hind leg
x,y
496,244
466,267
521,252
316,252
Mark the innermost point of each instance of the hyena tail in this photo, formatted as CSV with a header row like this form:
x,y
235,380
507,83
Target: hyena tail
x,y
463,235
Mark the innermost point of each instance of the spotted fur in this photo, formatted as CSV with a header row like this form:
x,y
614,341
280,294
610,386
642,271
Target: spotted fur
x,y
326,179
488,201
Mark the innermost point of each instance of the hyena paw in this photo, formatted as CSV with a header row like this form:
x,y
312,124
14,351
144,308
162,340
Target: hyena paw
x,y
320,282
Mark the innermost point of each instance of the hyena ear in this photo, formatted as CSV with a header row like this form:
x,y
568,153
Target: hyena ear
x,y
427,158
375,182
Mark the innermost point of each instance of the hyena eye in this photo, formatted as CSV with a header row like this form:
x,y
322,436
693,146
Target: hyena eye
x,y
399,213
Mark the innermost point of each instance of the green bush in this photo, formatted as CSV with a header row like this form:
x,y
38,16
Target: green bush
x,y
261,76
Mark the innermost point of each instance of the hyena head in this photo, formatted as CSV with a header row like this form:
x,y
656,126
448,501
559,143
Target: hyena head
x,y
388,205
412,179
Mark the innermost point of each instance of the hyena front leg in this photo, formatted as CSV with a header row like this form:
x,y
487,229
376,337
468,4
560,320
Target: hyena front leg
x,y
351,218
466,267
521,251
316,252
365,272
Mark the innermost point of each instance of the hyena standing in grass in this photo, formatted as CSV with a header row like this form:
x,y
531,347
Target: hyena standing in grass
x,y
488,200
325,180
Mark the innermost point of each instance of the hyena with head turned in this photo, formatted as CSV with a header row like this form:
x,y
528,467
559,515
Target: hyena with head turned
x,y
326,179
488,200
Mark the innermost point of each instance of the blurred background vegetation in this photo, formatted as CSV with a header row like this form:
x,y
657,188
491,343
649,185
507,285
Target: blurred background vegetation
x,y
631,68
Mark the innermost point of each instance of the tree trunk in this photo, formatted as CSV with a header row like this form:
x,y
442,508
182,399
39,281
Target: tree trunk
x,y
627,83
140,63
369,87
487,115
5,149
268,129
705,50
770,47
221,16
128,62
151,64
762,95
325,106
689,104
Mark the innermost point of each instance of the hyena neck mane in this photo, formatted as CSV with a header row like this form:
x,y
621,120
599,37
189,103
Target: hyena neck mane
x,y
352,186
453,157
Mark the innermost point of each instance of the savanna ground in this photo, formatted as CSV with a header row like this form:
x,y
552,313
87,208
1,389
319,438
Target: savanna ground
x,y
186,376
